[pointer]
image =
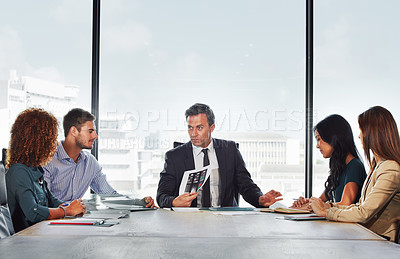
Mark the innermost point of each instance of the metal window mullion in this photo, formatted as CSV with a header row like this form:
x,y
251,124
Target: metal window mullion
x,y
309,97
95,69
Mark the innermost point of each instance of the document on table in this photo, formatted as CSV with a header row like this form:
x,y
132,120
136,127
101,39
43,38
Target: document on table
x,y
107,214
234,211
193,180
185,209
229,209
125,203
303,217
285,210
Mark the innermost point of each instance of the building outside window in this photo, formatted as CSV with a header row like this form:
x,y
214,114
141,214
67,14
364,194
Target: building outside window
x,y
246,59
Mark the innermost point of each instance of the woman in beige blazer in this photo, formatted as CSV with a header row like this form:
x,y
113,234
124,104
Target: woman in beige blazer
x,y
379,206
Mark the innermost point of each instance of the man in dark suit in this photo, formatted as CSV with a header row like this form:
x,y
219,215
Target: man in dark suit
x,y
228,172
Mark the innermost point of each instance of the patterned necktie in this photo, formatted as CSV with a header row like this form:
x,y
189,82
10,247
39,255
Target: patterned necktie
x,y
206,201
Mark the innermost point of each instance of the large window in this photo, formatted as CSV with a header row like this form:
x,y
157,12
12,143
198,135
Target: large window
x,y
45,57
356,64
246,59
243,58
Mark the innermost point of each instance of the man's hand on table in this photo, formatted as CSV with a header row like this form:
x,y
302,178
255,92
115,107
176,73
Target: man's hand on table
x,y
269,198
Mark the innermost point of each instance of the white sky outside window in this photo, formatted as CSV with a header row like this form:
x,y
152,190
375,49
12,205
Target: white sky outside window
x,y
243,58
356,63
246,59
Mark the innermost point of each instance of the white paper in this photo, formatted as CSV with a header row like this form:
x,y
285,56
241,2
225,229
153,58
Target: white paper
x,y
185,209
194,184
277,205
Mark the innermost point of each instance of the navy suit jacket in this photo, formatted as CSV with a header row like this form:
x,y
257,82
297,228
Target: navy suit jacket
x,y
233,174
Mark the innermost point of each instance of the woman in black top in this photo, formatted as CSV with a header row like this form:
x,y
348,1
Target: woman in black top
x,y
346,171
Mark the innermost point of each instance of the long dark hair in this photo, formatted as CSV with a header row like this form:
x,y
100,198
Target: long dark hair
x,y
380,135
336,131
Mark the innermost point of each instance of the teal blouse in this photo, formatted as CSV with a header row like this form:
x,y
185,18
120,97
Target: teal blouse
x,y
354,172
28,197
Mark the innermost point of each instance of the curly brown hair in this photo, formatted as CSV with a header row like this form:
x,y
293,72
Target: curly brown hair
x,y
33,138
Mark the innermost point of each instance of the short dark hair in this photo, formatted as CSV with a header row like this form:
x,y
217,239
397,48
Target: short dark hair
x,y
199,108
76,117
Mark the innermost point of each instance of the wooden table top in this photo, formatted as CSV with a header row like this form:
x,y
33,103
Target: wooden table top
x,y
168,234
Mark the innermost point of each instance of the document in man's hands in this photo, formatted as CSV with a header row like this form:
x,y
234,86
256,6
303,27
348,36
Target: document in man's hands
x,y
193,180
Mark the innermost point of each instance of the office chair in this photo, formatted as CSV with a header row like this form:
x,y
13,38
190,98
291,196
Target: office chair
x,y
4,156
6,225
177,144
236,195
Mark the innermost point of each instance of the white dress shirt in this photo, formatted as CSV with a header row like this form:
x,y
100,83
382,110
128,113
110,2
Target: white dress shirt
x,y
198,156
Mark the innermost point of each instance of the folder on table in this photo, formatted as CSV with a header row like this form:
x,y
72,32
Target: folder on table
x,y
85,222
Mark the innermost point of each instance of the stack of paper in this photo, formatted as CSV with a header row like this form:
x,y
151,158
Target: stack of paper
x,y
125,203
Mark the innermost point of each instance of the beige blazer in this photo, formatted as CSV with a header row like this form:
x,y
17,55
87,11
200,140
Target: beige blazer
x,y
379,205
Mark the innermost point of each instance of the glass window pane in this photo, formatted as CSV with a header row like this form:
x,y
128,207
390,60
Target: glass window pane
x,y
243,58
45,58
356,65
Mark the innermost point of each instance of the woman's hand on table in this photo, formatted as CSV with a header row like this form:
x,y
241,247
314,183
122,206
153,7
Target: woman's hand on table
x,y
75,208
318,206
300,203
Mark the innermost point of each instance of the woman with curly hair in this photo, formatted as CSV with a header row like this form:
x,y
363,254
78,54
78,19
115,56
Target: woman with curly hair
x,y
33,143
379,205
346,171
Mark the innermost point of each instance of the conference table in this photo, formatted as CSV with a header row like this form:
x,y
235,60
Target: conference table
x,y
164,233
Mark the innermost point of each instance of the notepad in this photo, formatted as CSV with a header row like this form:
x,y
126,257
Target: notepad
x,y
285,210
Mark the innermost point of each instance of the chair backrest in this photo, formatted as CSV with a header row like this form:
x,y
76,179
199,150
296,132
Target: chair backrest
x,y
3,190
3,156
177,144
6,225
